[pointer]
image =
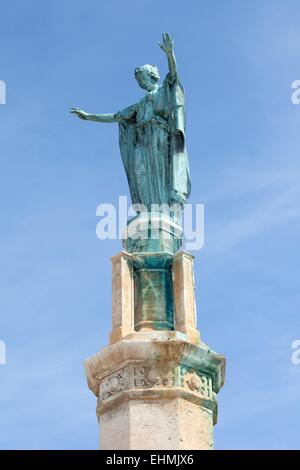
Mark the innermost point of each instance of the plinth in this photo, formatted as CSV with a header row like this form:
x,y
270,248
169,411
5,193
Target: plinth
x,y
157,382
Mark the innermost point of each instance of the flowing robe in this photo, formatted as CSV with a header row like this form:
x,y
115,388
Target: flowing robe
x,y
153,148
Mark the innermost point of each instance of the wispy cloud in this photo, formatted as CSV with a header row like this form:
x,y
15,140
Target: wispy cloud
x,y
272,201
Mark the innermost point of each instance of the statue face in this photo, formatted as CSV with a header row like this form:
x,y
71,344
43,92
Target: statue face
x,y
146,80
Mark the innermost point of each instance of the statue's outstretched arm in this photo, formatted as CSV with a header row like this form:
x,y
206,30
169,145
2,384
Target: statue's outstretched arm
x,y
168,47
95,117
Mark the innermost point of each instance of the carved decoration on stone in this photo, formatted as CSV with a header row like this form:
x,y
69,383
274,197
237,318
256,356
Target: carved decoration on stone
x,y
197,383
153,377
114,383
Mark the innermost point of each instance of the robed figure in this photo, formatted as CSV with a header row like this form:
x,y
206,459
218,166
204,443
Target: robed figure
x,y
152,137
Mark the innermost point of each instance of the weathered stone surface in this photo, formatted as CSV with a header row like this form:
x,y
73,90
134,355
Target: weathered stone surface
x,y
148,374
156,383
153,291
162,424
184,296
122,298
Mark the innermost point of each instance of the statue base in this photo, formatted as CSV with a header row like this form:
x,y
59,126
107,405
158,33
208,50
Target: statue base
x,y
157,382
156,391
152,232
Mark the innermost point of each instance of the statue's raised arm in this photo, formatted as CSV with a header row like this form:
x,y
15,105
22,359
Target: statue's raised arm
x,y
168,47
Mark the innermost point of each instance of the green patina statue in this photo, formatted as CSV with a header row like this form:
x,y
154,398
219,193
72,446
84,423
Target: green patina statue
x,y
152,137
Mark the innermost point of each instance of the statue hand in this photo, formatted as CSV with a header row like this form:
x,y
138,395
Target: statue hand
x,y
168,43
79,112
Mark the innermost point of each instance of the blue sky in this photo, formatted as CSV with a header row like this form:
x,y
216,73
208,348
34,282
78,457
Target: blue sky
x,y
237,60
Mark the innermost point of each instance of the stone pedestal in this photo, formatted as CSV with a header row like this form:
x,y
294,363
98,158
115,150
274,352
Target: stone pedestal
x,y
156,391
157,382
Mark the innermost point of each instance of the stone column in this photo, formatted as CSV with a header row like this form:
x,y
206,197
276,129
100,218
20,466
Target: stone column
x,y
156,391
157,382
122,297
184,296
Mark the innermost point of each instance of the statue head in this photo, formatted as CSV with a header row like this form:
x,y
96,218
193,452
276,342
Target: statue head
x,y
147,76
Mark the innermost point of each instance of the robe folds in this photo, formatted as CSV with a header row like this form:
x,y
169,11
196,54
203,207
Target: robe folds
x,y
153,146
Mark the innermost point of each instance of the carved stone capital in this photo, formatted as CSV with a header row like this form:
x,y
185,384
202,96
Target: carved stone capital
x,y
156,366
